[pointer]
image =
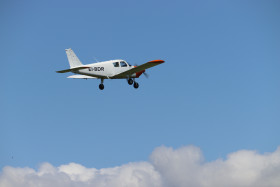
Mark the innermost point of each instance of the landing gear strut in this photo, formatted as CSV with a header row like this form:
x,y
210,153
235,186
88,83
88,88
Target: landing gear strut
x,y
101,86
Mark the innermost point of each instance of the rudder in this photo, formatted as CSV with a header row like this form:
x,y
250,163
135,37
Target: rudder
x,y
72,58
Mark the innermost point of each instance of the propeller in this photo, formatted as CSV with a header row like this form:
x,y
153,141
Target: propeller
x,y
146,74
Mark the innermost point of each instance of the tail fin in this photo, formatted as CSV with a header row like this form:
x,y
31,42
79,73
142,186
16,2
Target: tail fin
x,y
72,58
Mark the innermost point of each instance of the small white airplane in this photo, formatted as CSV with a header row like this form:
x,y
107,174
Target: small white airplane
x,y
112,69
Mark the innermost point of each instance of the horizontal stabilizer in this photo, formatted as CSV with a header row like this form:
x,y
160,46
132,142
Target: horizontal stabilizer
x,y
81,77
71,70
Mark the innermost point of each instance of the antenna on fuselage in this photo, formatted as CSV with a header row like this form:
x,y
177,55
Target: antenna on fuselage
x,y
95,59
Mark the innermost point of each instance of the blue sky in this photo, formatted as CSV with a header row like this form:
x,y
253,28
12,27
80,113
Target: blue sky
x,y
218,90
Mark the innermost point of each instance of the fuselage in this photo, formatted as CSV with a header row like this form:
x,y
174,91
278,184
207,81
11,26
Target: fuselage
x,y
107,69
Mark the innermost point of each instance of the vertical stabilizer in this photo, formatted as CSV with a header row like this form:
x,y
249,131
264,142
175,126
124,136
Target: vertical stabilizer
x,y
73,59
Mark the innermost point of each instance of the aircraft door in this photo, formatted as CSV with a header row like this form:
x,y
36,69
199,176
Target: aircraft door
x,y
117,68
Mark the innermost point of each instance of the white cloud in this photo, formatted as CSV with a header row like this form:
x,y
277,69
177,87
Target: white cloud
x,y
186,167
167,167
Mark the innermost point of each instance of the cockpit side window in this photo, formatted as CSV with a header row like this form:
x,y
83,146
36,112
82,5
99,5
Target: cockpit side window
x,y
123,64
116,64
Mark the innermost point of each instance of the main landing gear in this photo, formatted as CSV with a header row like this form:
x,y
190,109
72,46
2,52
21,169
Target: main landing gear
x,y
101,86
130,82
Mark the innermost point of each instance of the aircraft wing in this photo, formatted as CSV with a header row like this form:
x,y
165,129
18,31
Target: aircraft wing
x,y
81,77
71,69
139,68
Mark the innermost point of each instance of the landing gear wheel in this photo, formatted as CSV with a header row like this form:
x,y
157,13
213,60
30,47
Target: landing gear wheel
x,y
130,81
101,86
135,85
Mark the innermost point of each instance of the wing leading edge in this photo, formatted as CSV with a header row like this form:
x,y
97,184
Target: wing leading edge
x,y
140,68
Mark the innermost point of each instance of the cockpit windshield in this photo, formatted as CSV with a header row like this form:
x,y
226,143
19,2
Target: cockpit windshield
x,y
123,64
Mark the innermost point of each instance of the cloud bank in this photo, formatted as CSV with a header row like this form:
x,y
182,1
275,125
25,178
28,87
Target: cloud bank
x,y
167,167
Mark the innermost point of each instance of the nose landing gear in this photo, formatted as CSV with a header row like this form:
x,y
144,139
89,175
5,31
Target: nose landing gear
x,y
135,85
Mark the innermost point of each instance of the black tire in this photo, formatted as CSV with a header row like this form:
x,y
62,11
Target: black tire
x,y
101,86
136,85
130,81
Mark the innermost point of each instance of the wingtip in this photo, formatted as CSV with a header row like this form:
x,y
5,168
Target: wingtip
x,y
157,61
